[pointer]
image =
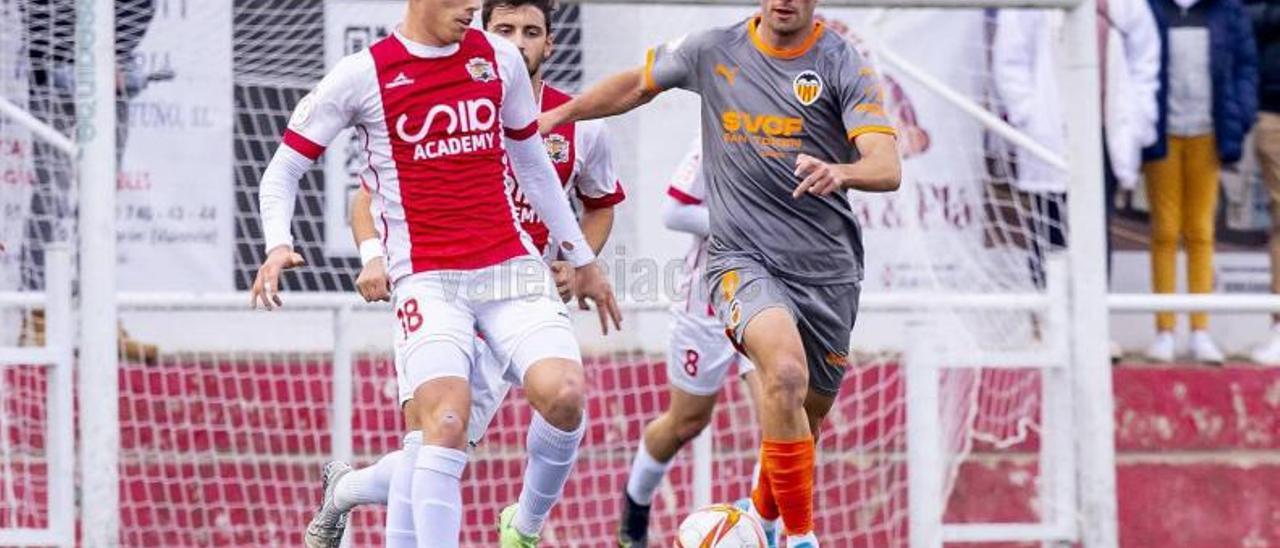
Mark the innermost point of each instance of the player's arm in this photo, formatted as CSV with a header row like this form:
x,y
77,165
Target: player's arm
x,y
372,283
614,95
532,167
599,190
315,122
597,185
668,66
597,224
690,218
541,187
685,211
878,167
363,228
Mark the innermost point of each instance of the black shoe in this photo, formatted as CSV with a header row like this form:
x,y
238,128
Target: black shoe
x,y
633,527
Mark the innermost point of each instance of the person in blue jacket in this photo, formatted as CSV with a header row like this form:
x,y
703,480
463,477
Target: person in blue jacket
x,y
1208,101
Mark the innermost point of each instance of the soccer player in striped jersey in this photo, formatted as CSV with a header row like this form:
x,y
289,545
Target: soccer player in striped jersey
x,y
443,110
581,155
792,119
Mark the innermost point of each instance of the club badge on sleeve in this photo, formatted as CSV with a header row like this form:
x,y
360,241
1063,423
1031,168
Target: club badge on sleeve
x,y
481,70
557,148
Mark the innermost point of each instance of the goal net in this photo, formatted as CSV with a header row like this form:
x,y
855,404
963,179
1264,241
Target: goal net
x,y
37,231
226,416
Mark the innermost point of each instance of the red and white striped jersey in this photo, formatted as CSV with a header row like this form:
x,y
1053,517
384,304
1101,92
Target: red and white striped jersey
x,y
432,122
583,160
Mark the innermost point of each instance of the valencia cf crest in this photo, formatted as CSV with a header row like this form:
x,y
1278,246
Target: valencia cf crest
x,y
481,70
735,316
807,87
557,148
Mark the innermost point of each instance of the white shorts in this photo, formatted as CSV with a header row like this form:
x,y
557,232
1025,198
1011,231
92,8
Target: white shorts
x,y
513,306
700,355
489,386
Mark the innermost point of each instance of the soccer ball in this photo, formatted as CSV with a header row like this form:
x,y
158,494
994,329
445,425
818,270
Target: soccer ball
x,y
720,526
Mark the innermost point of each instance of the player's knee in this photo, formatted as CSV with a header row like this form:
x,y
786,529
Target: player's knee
x,y
446,427
787,382
562,407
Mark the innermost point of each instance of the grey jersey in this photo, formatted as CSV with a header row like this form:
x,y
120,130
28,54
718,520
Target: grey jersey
x,y
761,108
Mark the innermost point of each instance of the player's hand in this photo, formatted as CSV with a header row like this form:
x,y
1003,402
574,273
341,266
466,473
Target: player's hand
x,y
590,284
266,286
563,273
372,283
818,177
548,120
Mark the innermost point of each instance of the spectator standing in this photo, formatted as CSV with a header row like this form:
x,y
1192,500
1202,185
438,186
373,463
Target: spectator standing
x,y
1026,42
1208,101
1266,139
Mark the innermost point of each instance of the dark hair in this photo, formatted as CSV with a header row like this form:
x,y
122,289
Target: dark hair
x,y
546,6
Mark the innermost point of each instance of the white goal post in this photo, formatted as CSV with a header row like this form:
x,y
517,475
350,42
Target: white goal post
x,y
99,453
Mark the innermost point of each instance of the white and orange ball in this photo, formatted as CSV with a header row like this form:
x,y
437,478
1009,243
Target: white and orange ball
x,y
720,526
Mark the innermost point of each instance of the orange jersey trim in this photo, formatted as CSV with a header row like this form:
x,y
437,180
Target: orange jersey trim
x,y
874,109
649,84
752,31
855,132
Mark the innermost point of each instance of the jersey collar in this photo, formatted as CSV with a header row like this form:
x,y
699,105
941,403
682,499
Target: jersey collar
x,y
753,32
418,49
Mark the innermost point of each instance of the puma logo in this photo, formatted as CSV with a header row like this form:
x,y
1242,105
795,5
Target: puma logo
x,y
729,74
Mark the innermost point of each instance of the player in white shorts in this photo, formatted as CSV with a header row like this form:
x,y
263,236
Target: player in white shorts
x,y
700,357
582,158
443,110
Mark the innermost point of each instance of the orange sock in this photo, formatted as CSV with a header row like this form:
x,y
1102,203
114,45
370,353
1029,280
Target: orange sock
x,y
762,495
790,473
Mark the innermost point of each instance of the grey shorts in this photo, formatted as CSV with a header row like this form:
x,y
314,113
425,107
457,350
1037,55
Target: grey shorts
x,y
824,314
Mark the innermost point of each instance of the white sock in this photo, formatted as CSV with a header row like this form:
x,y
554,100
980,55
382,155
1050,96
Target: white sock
x,y
770,525
369,485
792,540
399,524
437,496
646,475
552,453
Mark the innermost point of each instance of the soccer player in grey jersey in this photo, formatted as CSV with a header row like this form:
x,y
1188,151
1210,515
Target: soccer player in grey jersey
x,y
792,118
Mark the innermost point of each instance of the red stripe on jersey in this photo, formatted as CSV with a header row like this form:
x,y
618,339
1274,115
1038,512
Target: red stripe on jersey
x,y
682,197
608,200
521,134
443,123
563,151
302,145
